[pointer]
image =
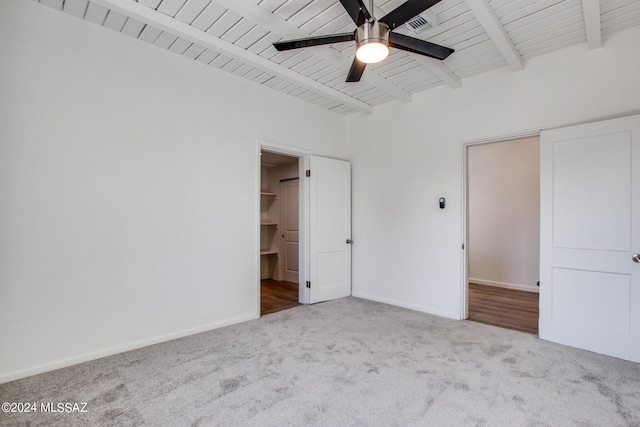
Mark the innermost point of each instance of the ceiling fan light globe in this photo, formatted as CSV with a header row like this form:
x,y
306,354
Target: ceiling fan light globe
x,y
372,42
370,51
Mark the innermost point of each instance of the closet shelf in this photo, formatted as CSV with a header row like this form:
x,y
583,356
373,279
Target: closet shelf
x,y
268,224
265,193
268,252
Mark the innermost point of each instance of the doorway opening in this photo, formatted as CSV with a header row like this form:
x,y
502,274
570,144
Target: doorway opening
x,y
503,233
279,232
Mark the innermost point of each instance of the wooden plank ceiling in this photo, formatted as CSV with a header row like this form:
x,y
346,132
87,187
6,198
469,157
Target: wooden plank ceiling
x,y
237,35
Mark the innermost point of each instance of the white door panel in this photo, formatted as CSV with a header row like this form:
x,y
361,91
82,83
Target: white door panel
x,y
589,228
330,229
579,297
600,167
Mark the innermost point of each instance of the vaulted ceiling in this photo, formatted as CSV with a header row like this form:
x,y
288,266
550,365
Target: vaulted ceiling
x,y
236,36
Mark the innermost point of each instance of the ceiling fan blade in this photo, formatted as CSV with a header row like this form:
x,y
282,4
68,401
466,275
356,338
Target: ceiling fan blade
x,y
354,7
406,11
400,41
314,41
355,73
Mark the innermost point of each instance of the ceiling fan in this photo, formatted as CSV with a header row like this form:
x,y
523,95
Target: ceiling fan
x,y
373,36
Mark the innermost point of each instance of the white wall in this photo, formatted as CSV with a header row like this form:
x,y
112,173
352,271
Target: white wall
x,y
407,251
128,181
504,213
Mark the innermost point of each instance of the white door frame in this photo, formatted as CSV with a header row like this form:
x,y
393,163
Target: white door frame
x,y
303,254
464,297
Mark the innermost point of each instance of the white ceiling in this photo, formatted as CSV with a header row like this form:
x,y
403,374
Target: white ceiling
x,y
237,35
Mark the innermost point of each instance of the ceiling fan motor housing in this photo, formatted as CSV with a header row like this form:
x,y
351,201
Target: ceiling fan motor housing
x,y
372,40
372,32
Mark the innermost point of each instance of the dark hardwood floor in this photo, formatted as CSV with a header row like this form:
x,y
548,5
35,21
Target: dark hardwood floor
x,y
507,308
276,296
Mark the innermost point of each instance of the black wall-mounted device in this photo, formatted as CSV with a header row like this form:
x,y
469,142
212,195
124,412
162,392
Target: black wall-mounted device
x,y
441,202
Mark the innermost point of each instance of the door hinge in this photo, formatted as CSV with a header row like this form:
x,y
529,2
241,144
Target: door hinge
x,y
308,172
308,284
463,246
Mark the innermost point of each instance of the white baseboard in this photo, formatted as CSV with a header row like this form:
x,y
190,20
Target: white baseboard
x,y
505,285
63,363
428,310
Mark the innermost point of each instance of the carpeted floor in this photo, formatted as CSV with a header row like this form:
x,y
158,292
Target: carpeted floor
x,y
346,362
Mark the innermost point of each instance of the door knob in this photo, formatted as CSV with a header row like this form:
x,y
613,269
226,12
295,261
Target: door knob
x,y
636,257
349,241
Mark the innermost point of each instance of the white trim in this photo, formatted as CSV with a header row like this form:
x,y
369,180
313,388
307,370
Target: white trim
x,y
70,361
419,308
528,133
464,245
303,155
256,221
527,288
287,150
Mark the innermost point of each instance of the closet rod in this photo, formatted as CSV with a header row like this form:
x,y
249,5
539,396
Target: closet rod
x,y
289,179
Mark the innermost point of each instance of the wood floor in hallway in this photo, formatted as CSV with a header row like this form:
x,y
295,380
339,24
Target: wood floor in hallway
x,y
502,307
276,296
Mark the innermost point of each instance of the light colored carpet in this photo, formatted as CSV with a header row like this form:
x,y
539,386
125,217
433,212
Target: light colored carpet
x,y
347,362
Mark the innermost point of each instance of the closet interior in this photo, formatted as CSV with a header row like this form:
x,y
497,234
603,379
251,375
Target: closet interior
x,y
279,232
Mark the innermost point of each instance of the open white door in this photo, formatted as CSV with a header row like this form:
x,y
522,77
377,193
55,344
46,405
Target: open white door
x,y
330,229
589,233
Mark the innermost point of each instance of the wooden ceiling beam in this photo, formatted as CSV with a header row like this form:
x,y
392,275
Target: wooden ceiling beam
x,y
173,26
441,71
591,11
487,17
